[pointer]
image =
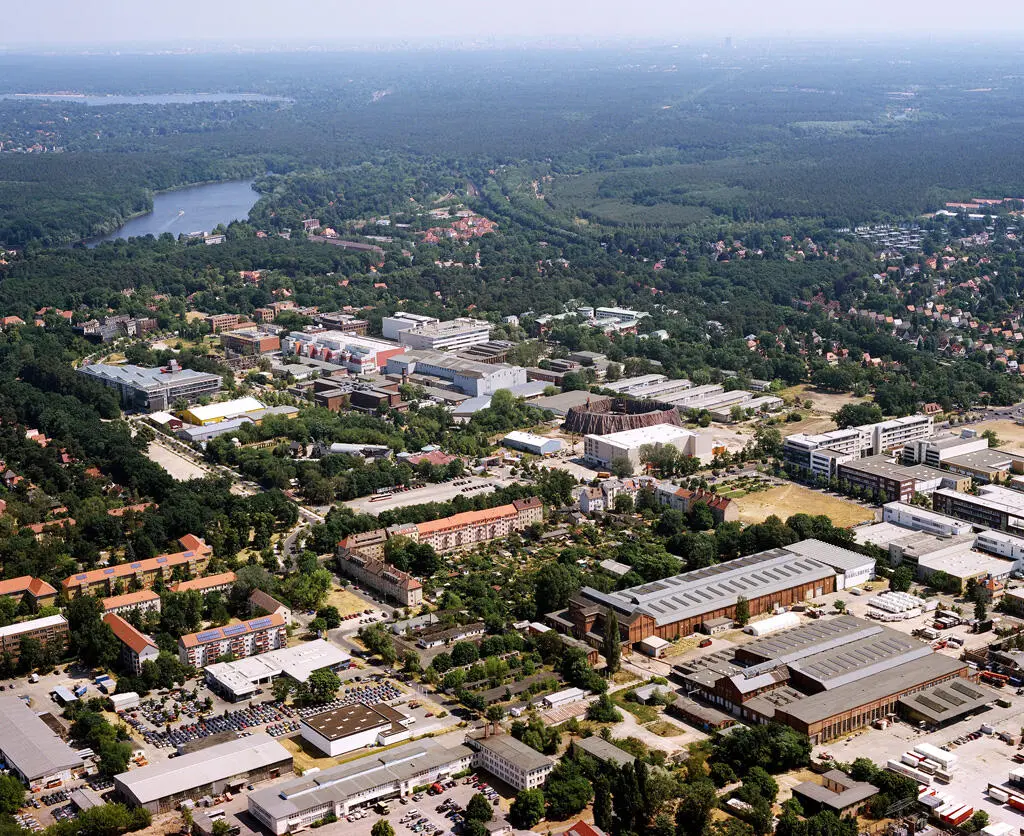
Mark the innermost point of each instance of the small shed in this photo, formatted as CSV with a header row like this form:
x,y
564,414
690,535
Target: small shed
x,y
654,646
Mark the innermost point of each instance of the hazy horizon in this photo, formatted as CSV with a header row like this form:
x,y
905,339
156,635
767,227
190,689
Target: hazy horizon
x,y
64,24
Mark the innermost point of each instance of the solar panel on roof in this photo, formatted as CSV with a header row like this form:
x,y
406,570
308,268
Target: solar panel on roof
x,y
108,571
260,623
209,636
234,629
136,566
80,577
188,554
161,560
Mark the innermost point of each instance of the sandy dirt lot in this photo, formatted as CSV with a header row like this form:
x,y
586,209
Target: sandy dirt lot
x,y
824,402
346,602
177,465
786,500
1011,435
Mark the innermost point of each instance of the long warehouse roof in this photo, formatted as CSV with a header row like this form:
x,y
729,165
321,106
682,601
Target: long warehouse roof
x,y
29,744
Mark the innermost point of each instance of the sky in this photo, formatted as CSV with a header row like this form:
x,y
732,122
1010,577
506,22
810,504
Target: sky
x,y
63,23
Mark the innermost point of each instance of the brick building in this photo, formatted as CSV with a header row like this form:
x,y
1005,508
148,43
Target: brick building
x,y
375,574
51,632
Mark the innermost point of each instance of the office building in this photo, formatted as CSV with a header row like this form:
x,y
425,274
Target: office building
x,y
798,449
349,727
192,561
357,354
992,507
240,679
230,766
339,321
145,600
824,679
392,326
258,635
471,377
251,341
921,519
337,791
29,747
936,450
512,761
51,632
150,390
866,440
629,444
682,604
881,477
136,647
452,335
38,592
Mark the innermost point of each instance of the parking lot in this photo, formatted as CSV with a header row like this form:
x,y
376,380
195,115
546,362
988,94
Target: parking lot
x,y
981,761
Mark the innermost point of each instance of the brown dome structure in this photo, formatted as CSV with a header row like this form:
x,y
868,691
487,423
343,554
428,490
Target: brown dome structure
x,y
603,415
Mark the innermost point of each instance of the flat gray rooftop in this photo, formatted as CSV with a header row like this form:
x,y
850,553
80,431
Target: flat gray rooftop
x,y
144,378
948,701
604,751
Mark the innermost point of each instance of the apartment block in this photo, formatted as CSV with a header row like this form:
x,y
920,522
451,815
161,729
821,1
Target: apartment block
x,y
258,635
465,530
145,600
192,561
36,590
51,631
250,341
136,647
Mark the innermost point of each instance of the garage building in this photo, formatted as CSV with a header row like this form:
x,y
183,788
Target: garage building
x,y
162,786
355,726
537,445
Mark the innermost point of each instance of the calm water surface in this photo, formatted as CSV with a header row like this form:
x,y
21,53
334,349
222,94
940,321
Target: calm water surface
x,y
193,209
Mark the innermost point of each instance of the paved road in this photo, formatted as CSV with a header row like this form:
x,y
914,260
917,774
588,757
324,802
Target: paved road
x,y
442,492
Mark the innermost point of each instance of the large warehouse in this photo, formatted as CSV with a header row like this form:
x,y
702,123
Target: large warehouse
x,y
162,786
681,604
628,444
824,679
241,679
350,727
30,748
294,805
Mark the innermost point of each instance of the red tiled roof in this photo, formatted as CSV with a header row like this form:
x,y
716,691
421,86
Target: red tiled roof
x,y
581,828
129,598
127,634
195,549
26,583
199,584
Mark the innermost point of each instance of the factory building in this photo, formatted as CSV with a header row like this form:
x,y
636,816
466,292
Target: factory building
x,y
537,445
471,377
29,747
628,444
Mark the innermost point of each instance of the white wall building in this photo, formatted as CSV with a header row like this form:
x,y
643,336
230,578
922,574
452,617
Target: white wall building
x,y
470,377
604,449
921,519
351,727
513,762
392,326
446,336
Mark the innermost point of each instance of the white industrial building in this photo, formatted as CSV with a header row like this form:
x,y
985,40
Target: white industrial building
x,y
1002,544
452,335
921,519
392,326
537,445
29,747
241,679
294,805
563,697
350,727
360,355
604,449
470,377
852,568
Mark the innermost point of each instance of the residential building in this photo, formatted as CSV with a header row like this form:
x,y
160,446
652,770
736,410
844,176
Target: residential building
x,y
629,444
681,604
258,635
349,727
592,500
136,647
294,805
510,760
537,445
150,390
260,603
103,581
145,600
471,377
452,335
51,631
357,354
384,579
162,786
29,747
37,591
242,678
222,582
470,528
722,508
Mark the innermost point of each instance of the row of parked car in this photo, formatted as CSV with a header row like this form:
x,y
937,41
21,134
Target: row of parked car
x,y
239,720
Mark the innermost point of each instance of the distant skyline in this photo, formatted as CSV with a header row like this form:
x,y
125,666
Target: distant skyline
x,y
103,23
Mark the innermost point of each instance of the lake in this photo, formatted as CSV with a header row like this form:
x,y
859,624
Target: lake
x,y
192,209
143,99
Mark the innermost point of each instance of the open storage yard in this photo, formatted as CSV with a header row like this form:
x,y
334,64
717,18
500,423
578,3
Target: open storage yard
x,y
786,500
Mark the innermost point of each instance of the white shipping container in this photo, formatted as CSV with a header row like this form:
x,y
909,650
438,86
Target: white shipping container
x,y
997,794
927,750
910,759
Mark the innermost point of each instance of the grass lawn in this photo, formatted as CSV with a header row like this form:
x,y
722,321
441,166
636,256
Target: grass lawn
x,y
643,713
663,728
